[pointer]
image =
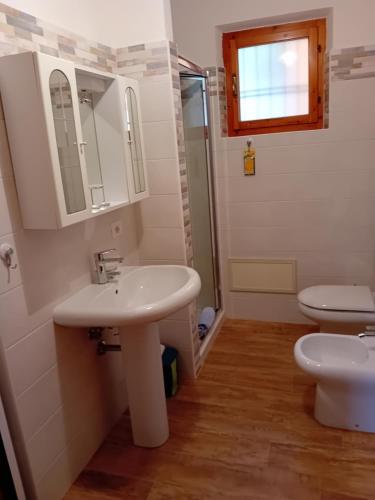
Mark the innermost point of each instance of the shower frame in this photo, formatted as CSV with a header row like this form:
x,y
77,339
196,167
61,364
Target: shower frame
x,y
191,70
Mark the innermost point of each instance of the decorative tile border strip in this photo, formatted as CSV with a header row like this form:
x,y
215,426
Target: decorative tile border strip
x,y
353,63
21,32
176,88
145,60
222,101
181,151
212,80
216,84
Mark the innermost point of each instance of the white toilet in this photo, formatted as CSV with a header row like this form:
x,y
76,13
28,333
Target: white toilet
x,y
344,367
342,309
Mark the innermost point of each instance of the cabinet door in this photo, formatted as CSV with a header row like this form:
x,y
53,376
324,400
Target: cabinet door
x,y
133,137
60,102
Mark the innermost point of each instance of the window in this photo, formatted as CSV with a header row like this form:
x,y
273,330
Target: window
x,y
274,78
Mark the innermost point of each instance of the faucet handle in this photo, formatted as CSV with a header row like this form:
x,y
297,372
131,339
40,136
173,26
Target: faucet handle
x,y
105,256
102,253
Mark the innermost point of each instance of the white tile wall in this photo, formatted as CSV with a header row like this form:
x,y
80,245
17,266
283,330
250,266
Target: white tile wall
x,y
16,321
47,393
312,199
162,244
159,140
161,211
306,158
156,100
270,307
163,177
221,171
36,353
74,457
49,441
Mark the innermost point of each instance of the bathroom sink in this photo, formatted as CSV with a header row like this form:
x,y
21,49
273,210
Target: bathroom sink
x,y
135,302
140,295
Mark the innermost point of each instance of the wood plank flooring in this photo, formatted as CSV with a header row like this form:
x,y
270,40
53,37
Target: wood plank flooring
x,y
244,430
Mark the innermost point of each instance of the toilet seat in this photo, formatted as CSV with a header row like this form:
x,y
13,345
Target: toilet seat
x,y
338,298
347,304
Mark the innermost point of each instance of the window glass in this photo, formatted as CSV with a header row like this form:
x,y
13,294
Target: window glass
x,y
274,80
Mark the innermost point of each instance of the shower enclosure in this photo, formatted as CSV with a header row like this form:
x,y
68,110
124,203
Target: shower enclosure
x,y
195,111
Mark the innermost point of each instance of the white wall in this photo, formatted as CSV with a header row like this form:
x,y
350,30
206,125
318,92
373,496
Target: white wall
x,y
117,23
194,21
312,197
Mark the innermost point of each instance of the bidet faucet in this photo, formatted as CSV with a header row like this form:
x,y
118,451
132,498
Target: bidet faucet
x,y
370,332
102,274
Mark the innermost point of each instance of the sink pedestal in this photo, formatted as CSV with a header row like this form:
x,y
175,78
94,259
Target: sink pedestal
x,y
145,384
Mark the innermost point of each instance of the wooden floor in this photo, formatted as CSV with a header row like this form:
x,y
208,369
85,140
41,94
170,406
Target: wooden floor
x,y
243,430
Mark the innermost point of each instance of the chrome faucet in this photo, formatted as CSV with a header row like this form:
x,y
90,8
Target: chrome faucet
x,y
101,259
370,332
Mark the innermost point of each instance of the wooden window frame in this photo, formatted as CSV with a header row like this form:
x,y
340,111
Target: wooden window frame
x,y
315,31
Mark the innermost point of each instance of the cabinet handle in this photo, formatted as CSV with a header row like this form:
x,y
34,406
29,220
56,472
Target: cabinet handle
x,y
81,144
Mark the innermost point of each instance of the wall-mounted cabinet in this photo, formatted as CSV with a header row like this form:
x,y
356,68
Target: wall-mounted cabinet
x,y
75,137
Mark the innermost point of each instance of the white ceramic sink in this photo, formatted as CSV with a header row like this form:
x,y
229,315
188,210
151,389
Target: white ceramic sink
x,y
140,295
139,298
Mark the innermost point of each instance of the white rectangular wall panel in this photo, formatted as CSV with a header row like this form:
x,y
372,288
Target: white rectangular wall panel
x,y
263,275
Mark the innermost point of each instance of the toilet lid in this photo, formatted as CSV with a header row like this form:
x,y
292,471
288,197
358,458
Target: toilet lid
x,y
338,298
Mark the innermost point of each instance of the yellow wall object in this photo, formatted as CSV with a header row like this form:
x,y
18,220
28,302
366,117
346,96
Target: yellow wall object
x,y
249,161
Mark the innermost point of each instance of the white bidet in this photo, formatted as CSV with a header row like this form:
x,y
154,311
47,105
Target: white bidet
x,y
344,367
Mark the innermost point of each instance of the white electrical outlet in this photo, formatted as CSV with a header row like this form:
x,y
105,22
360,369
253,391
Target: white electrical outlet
x,y
116,229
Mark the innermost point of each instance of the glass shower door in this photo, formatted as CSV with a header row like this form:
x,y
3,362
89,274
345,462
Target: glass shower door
x,y
200,190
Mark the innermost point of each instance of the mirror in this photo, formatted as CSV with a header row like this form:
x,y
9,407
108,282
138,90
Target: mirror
x,y
66,139
89,132
134,134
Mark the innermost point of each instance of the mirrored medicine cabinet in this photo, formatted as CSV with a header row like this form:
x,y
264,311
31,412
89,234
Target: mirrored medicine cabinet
x,y
75,136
